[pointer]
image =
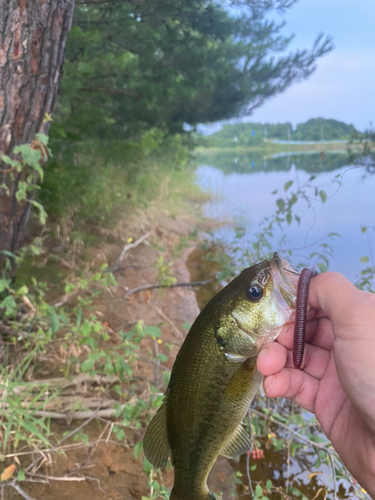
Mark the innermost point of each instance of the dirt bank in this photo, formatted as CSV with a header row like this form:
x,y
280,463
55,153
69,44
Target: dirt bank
x,y
104,468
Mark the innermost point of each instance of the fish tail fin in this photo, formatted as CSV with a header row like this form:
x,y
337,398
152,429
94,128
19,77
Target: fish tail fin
x,y
195,495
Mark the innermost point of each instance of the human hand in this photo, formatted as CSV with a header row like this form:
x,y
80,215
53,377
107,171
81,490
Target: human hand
x,y
337,377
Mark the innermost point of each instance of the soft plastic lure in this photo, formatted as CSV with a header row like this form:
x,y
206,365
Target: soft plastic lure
x,y
301,313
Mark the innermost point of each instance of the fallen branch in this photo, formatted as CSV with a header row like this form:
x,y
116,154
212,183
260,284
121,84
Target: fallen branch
x,y
164,316
61,404
63,383
19,490
79,415
127,249
159,285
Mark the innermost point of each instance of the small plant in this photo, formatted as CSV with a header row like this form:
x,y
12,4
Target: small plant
x,y
165,275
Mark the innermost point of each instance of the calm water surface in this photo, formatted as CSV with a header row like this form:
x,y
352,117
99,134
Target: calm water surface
x,y
242,189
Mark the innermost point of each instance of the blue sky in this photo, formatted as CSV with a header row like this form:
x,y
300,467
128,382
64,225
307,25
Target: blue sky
x,y
343,86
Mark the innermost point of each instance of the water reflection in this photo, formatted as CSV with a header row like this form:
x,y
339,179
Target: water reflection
x,y
242,187
312,162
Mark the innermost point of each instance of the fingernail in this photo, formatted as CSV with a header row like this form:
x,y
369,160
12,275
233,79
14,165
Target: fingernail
x,y
263,353
268,383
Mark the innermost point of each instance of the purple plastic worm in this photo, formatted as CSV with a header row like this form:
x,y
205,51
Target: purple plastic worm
x,y
301,313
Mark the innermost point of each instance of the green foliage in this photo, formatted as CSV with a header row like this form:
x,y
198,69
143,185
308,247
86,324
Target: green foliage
x,y
318,129
366,278
245,251
253,134
21,406
132,67
165,273
93,182
31,157
72,327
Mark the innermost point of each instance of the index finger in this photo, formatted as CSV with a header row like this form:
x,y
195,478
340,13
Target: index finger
x,y
318,333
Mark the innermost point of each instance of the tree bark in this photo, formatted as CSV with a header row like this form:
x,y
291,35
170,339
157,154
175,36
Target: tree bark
x,y
33,35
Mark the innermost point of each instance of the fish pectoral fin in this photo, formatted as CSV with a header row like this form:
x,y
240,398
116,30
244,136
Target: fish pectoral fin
x,y
238,444
244,382
155,442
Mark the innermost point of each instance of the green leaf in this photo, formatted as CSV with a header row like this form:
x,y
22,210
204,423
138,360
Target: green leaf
x,y
87,365
5,187
269,485
55,322
364,259
323,196
289,218
21,475
31,156
43,138
13,163
153,331
162,357
287,185
138,448
9,304
147,466
280,203
4,284
23,290
21,193
8,254
259,491
42,212
120,435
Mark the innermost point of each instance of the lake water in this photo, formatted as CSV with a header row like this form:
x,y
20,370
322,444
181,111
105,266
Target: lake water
x,y
241,187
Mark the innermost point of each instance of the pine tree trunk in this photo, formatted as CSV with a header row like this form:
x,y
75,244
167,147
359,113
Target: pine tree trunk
x,y
33,35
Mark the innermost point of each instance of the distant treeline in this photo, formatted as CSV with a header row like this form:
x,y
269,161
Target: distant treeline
x,y
254,134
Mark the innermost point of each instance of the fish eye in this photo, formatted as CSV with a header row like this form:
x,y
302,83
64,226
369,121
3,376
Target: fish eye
x,y
254,292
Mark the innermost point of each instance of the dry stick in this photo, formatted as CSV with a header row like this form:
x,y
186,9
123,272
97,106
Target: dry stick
x,y
69,447
65,407
164,316
61,478
127,249
19,490
248,455
308,441
288,469
63,383
158,285
86,422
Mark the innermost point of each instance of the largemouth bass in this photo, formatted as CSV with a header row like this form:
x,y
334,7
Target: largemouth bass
x,y
214,377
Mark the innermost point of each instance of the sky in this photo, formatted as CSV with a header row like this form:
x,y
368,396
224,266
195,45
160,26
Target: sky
x,y
343,85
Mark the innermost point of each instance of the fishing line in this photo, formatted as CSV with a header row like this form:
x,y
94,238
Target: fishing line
x,y
308,198
339,182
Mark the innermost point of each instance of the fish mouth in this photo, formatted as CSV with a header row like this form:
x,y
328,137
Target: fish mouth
x,y
285,280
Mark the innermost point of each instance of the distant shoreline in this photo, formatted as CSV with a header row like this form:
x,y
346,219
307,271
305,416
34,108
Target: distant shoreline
x,y
273,147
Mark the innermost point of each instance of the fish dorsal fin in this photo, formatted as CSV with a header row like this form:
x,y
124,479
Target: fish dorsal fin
x,y
238,444
155,442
